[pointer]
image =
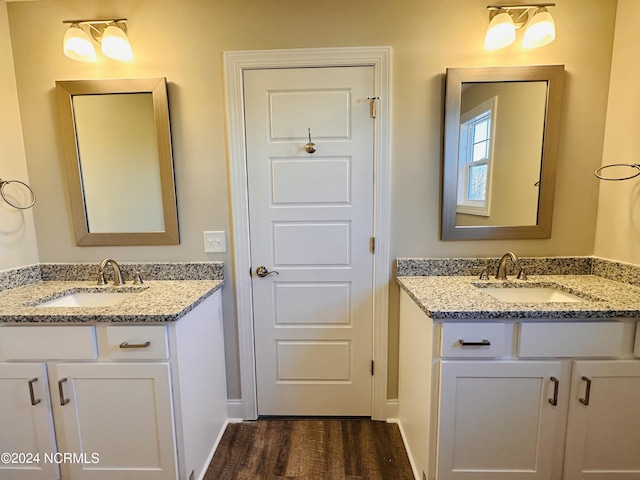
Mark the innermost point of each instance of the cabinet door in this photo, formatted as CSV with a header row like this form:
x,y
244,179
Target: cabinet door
x,y
603,431
26,423
119,419
496,420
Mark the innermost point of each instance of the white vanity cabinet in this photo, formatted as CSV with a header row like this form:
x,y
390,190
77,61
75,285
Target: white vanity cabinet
x,y
507,404
126,402
119,417
26,424
496,420
603,432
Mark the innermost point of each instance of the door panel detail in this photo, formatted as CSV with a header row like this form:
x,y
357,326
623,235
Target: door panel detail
x,y
313,304
298,361
291,112
312,244
317,181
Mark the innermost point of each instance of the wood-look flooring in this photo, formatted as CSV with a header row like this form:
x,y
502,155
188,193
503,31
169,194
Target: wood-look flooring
x,y
310,449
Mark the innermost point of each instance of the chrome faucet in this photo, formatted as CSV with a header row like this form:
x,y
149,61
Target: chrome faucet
x,y
502,266
117,274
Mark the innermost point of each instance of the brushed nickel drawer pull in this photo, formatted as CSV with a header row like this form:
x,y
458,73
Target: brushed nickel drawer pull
x,y
556,385
587,394
483,343
135,345
32,395
63,401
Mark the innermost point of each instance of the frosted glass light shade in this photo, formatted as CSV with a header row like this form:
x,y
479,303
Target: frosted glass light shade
x,y
77,45
115,44
540,31
501,31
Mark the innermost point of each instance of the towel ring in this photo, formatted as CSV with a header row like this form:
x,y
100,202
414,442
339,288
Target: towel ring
x,y
615,179
4,183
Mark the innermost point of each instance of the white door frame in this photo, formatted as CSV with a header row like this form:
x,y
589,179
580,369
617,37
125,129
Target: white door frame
x,y
235,64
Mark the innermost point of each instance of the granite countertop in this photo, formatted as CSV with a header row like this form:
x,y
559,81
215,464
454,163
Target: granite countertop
x,y
461,297
156,301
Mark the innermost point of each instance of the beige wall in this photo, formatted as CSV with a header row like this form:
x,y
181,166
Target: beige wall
x,y
18,246
618,232
184,42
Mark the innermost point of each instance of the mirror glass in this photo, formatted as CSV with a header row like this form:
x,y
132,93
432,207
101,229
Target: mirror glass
x,y
501,128
119,163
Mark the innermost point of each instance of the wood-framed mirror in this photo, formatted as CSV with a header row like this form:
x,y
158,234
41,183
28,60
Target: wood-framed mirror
x,y
117,144
500,152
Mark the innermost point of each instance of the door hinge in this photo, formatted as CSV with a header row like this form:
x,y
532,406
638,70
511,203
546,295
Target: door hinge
x,y
373,106
372,244
372,362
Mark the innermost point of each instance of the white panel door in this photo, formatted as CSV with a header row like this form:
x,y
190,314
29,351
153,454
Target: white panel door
x,y
26,423
311,220
497,421
603,433
123,414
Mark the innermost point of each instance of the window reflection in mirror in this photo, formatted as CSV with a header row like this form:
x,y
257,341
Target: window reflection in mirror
x,y
477,138
501,135
501,163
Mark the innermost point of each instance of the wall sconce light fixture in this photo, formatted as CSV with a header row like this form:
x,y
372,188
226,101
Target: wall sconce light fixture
x,y
504,20
110,33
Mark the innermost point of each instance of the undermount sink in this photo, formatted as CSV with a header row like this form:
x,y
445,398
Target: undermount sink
x,y
531,295
87,299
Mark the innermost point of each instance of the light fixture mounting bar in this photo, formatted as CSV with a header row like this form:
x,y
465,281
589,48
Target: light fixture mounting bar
x,y
520,6
519,13
88,22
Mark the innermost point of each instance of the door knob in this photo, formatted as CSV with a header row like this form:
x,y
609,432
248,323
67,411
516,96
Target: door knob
x,y
262,272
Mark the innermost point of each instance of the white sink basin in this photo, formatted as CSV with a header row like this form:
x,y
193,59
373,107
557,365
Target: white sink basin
x,y
87,299
531,295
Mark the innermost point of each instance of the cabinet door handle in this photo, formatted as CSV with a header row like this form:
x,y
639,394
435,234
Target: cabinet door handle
x,y
556,386
32,396
483,343
134,345
587,394
63,401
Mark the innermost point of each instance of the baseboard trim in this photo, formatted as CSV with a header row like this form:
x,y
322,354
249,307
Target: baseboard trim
x,y
416,476
235,410
391,409
213,450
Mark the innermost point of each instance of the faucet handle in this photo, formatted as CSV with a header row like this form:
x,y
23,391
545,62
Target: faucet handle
x,y
137,277
101,279
484,274
522,274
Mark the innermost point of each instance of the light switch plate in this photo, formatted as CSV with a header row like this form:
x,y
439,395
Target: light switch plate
x,y
214,242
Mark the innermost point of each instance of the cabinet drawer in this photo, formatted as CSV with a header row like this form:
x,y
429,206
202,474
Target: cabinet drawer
x,y
473,340
636,350
570,339
36,342
135,342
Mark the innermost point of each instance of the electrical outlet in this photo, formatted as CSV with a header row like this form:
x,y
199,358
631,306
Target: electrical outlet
x,y
214,242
